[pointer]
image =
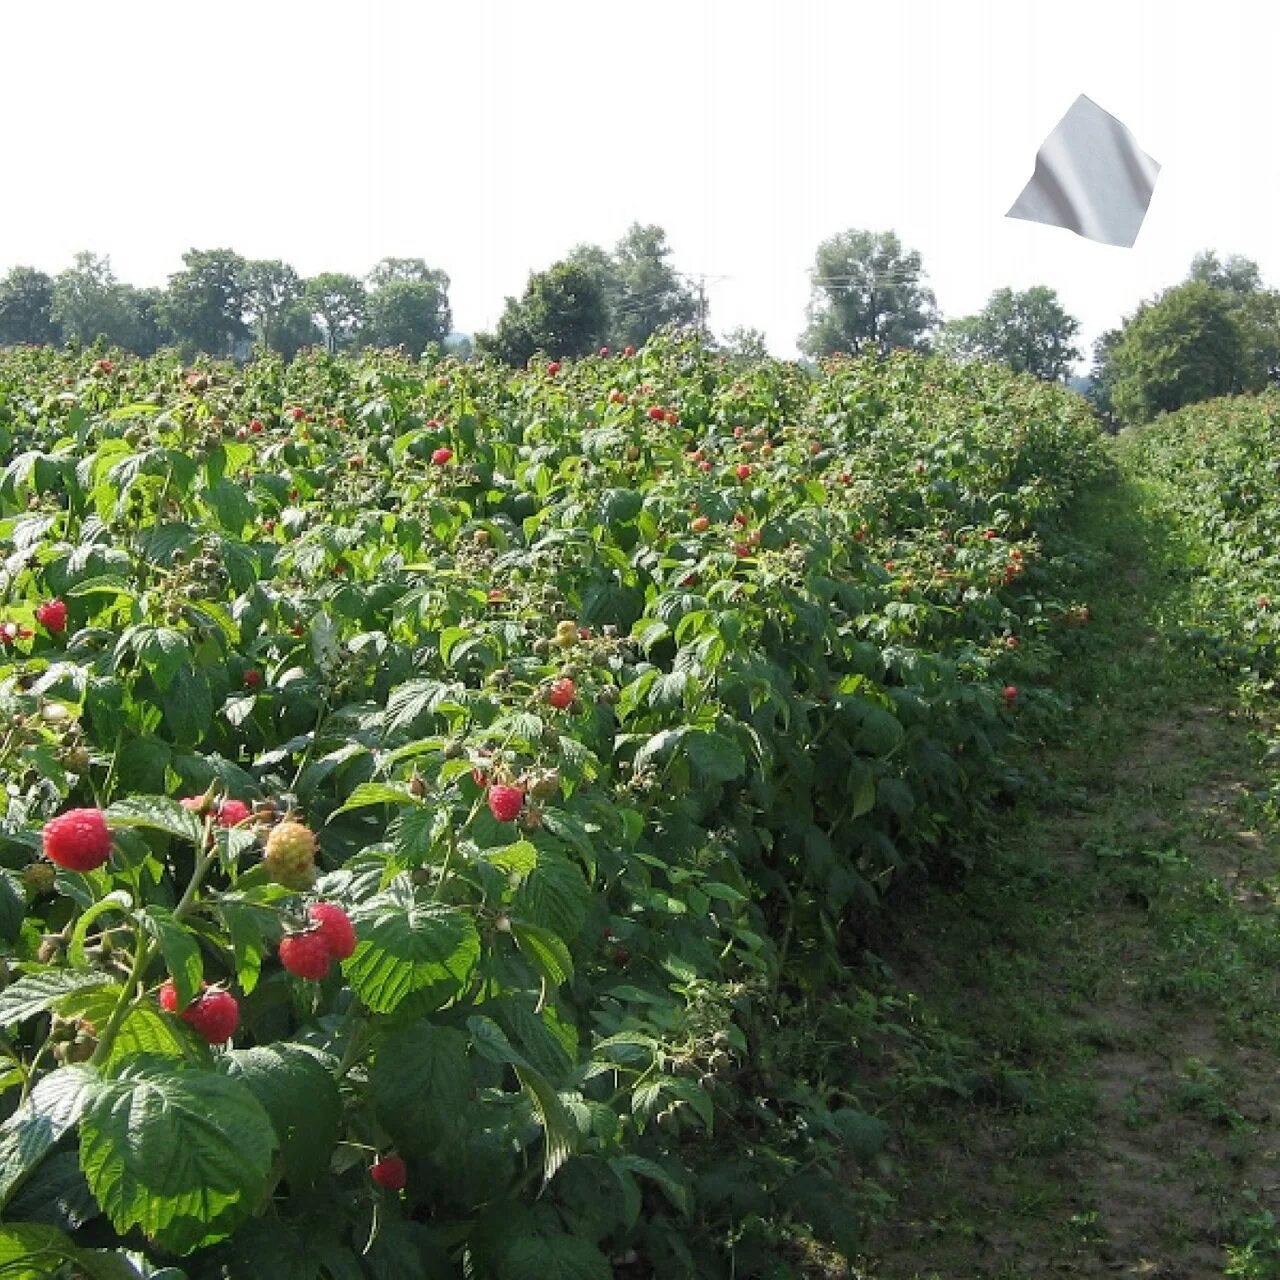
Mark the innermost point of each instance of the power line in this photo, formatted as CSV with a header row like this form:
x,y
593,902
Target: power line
x,y
704,281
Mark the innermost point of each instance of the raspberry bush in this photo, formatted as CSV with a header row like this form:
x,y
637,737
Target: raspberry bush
x,y
561,734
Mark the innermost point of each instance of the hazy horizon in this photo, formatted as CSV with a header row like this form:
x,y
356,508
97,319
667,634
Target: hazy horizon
x,y
490,141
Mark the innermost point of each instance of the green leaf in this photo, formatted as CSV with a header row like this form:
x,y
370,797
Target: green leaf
x,y
141,764
147,1030
157,813
247,925
450,638
408,944
271,1250
554,1258
370,793
696,1096
862,787
162,650
55,1193
40,991
559,1133
554,895
182,1155
621,505
188,706
33,1251
548,1045
715,757
180,952
491,1042
230,505
865,1135
674,1190
658,747
300,1096
13,905
411,700
50,1110
515,859
880,732
544,950
421,1085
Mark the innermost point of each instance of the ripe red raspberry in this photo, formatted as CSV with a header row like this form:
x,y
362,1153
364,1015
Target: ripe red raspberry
x,y
53,617
252,678
1010,693
657,413
505,802
441,456
562,693
215,1014
233,813
742,471
230,814
334,926
168,996
78,839
306,955
553,368
389,1172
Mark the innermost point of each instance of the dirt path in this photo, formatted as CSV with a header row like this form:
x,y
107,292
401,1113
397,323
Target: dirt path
x,y
1083,1071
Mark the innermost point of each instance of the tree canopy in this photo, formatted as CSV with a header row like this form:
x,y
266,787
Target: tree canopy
x,y
868,293
642,291
409,311
89,303
1217,333
562,313
1028,331
339,305
205,304
26,307
1184,347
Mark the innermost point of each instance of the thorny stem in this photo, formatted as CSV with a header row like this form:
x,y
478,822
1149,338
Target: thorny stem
x,y
146,954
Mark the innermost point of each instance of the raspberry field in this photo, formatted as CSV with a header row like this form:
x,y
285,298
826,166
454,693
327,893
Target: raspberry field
x,y
448,812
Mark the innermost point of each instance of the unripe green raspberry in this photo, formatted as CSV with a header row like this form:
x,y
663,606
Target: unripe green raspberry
x,y
291,855
39,878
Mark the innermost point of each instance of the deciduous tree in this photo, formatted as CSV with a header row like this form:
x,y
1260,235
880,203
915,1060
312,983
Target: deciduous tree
x,y
868,293
561,313
26,307
206,303
339,305
1028,331
1184,347
409,311
89,303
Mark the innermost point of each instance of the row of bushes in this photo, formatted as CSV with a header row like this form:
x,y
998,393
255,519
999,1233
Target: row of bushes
x,y
615,693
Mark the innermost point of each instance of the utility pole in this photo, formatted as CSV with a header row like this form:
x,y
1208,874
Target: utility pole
x,y
701,281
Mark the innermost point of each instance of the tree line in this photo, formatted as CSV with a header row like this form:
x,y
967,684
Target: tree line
x,y
1215,333
226,305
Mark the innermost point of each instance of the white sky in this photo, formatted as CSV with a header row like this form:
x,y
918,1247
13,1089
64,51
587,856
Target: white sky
x,y
490,136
